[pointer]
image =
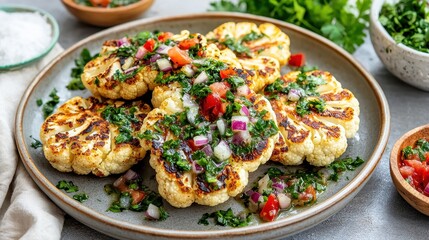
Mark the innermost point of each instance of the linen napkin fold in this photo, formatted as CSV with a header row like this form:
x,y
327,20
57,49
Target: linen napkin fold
x,y
25,212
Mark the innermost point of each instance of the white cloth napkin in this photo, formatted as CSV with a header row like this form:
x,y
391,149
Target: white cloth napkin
x,y
25,212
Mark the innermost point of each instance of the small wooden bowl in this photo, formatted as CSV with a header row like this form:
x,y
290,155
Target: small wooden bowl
x,y
106,17
411,195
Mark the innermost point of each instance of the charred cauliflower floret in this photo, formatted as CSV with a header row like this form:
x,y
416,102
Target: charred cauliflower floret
x,y
127,68
315,115
204,152
91,136
248,40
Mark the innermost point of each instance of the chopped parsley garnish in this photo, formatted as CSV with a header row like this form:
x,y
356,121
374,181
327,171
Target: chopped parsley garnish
x,y
81,197
76,81
39,102
304,106
422,147
67,186
236,46
142,37
346,164
122,77
211,168
123,118
407,21
171,154
126,51
252,36
49,106
226,218
36,143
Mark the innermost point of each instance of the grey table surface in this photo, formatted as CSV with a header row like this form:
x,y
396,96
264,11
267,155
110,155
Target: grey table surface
x,y
377,212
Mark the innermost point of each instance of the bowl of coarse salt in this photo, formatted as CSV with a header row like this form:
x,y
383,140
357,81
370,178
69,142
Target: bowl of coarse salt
x,y
27,34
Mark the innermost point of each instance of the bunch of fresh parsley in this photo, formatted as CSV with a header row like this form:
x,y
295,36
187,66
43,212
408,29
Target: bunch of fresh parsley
x,y
334,19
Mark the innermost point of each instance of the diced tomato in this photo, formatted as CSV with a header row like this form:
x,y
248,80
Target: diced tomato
x,y
121,184
271,209
192,145
220,88
137,196
213,107
179,56
150,44
297,60
188,43
226,73
406,171
99,3
164,36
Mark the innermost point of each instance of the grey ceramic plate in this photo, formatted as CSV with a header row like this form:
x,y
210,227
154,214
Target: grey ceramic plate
x,y
54,35
182,223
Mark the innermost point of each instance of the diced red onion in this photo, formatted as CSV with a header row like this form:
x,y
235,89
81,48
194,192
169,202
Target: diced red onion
x,y
118,181
241,137
123,42
278,186
244,111
212,126
207,149
188,102
154,58
141,52
163,49
200,140
221,125
131,69
192,113
243,90
294,95
196,168
222,151
255,197
130,175
263,183
239,123
284,200
164,65
249,192
426,190
152,212
253,120
188,71
202,77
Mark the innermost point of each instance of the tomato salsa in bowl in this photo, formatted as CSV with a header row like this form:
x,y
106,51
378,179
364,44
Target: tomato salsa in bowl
x,y
409,167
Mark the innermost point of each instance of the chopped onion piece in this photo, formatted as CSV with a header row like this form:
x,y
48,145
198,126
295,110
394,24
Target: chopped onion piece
x,y
239,123
243,90
141,52
164,65
222,151
196,168
119,181
152,212
154,58
221,125
125,201
241,137
244,111
255,196
202,77
123,42
200,140
128,63
188,71
263,183
199,61
279,186
130,175
294,95
131,69
284,201
192,113
163,49
253,207
207,149
188,102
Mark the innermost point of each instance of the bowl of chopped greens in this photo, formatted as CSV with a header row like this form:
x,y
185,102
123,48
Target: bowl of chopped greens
x,y
106,13
399,32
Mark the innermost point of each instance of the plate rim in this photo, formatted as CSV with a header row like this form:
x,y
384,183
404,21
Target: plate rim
x,y
349,189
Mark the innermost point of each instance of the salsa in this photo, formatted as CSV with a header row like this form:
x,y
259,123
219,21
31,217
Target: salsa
x,y
106,3
414,165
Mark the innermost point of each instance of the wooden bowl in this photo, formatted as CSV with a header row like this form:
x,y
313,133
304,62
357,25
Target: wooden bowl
x,y
411,195
106,17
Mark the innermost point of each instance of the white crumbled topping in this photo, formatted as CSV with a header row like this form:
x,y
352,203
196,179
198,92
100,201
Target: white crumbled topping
x,y
22,36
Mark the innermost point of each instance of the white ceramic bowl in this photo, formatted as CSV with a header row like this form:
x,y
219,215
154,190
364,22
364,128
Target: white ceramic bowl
x,y
409,65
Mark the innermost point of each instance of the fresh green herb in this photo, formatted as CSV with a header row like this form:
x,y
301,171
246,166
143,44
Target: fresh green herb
x,y
142,37
304,106
407,152
422,147
148,134
211,169
172,155
335,20
163,214
83,2
122,77
126,51
252,36
36,143
235,81
39,102
407,21
76,81
81,197
67,186
49,106
346,164
123,118
226,218
121,3
200,90
236,46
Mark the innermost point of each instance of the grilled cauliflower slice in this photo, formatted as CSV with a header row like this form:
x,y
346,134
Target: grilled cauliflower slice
x,y
76,138
265,40
197,155
319,135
